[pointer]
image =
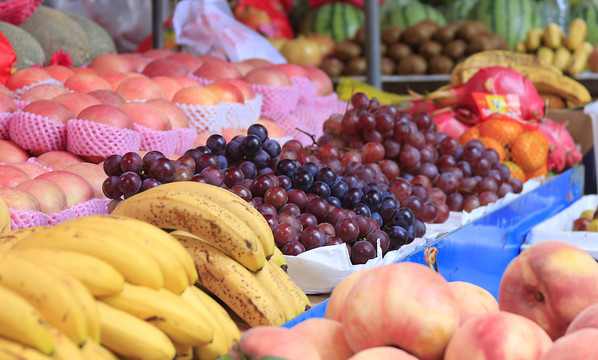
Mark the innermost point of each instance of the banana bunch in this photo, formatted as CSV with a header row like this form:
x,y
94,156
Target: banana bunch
x,y
5,223
568,53
105,287
550,82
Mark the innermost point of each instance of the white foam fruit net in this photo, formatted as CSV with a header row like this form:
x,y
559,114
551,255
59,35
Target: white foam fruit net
x,y
205,119
278,98
88,138
307,90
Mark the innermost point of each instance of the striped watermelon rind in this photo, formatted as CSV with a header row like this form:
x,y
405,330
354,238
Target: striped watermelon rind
x,y
458,10
588,12
339,20
412,13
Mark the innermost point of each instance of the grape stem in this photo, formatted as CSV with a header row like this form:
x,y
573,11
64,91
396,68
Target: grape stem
x,y
313,139
430,257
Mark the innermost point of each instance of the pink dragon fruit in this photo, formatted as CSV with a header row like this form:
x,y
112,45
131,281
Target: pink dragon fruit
x,y
563,151
446,122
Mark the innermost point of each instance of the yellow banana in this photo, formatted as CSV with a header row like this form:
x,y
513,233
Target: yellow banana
x,y
165,310
98,276
182,210
578,30
131,337
275,286
48,294
533,39
5,222
278,259
65,348
175,277
21,322
94,351
561,58
545,55
8,240
12,350
579,59
552,35
136,266
236,205
184,352
300,300
232,283
561,85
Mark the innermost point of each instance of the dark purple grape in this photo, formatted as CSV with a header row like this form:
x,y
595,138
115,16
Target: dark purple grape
x,y
297,197
387,208
216,143
267,209
352,198
265,171
333,240
162,169
110,187
414,204
302,180
307,220
129,183
148,184
339,189
286,167
397,237
516,185
238,138
373,199
347,230
198,178
284,182
419,227
326,175
251,145
249,169
291,209
362,251
112,165
233,176
272,147
223,161
310,167
321,189
272,221
260,185
312,238
285,233
422,120
362,209
375,236
403,217
213,175
233,151
334,201
318,207
455,201
205,160
261,159
258,130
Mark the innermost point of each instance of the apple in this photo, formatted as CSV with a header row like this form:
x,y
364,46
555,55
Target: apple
x,y
382,353
399,305
50,109
42,92
472,299
217,70
11,152
587,318
75,187
226,92
191,62
548,283
94,173
278,342
186,81
154,54
76,101
31,169
108,115
176,116
110,62
246,89
510,335
258,63
168,85
320,79
7,104
243,67
275,131
195,95
59,72
25,77
338,296
326,336
146,115
50,196
164,67
5,91
84,70
108,97
139,88
270,75
19,199
11,176
85,83
58,159
136,61
292,70
577,345
114,78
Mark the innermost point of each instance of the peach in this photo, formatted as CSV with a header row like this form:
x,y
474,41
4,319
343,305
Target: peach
x,y
275,131
292,70
139,88
472,299
31,169
217,70
577,345
83,70
270,75
58,159
168,85
50,109
186,81
11,176
136,61
548,283
85,83
382,353
164,67
11,152
262,341
207,57
201,139
258,63
154,54
146,115
108,97
244,87
114,78
326,336
7,104
42,92
226,91
108,115
176,116
322,81
5,91
585,319
510,335
26,77
407,305
334,308
110,62
190,61
19,199
75,187
94,173
59,72
50,196
76,101
195,95
243,67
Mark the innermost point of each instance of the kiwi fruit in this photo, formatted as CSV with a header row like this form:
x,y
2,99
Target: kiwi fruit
x,y
387,66
471,29
499,42
431,25
455,49
390,34
398,51
359,36
479,44
333,67
441,64
383,49
446,33
430,48
416,34
355,67
346,50
412,65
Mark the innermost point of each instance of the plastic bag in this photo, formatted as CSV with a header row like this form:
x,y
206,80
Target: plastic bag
x,y
8,59
208,25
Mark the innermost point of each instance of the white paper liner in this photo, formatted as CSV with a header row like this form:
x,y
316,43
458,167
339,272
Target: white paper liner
x,y
205,119
37,134
5,118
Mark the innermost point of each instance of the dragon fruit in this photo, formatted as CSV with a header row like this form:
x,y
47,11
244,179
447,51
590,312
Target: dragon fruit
x,y
446,122
563,151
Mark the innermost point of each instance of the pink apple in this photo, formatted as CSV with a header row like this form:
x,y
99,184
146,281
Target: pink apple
x,y
292,70
114,78
217,70
168,85
11,176
195,95
58,160
136,61
243,67
139,88
226,91
275,131
382,353
472,299
7,104
11,152
84,70
76,188
186,81
190,61
26,77
326,336
146,115
31,169
320,79
164,67
580,344
336,302
86,83
585,319
19,199
50,109
108,115
110,62
108,97
59,72
50,196
270,75
154,54
246,89
261,341
76,101
176,116
258,63
94,173
42,92
5,91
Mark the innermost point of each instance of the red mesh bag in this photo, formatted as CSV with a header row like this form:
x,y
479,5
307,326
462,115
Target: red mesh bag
x,y
17,11
36,133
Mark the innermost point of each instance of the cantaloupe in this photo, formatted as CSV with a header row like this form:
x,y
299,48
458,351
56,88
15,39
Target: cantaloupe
x,y
54,31
29,52
99,40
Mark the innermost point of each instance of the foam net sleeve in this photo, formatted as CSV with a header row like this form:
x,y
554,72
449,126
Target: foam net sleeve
x,y
205,119
307,90
21,103
278,98
5,118
186,137
164,141
37,134
88,138
201,80
21,219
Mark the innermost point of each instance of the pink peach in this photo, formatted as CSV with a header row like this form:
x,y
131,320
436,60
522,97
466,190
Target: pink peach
x,y
58,159
110,62
191,62
59,72
139,88
85,83
11,176
217,70
164,67
11,152
19,199
108,115
195,95
382,353
50,109
42,92
26,77
146,115
176,116
50,197
76,188
168,85
93,173
108,97
326,336
76,101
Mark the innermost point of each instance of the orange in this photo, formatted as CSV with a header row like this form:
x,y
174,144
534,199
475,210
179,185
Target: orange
x,y
504,131
516,171
541,171
491,143
469,134
530,150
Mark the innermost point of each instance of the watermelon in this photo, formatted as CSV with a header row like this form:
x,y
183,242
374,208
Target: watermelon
x,y
589,13
339,20
511,19
458,9
409,14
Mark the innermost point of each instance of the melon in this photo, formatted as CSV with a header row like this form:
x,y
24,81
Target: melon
x,y
409,14
457,10
29,52
100,42
339,20
54,31
588,12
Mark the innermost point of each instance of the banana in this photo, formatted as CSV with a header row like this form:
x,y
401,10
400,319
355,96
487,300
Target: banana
x,y
520,47
65,348
275,286
21,322
184,352
567,88
98,276
533,39
175,277
232,283
165,310
579,59
48,294
11,350
236,205
131,337
578,30
561,58
136,266
94,351
278,259
183,210
554,101
5,221
545,55
300,300
552,36
8,240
